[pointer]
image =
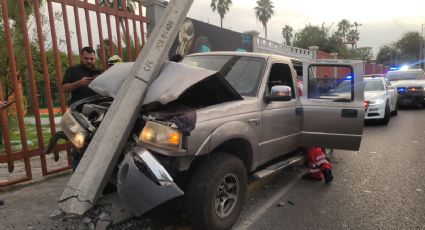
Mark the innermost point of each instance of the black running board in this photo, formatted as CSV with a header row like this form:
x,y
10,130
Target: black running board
x,y
278,166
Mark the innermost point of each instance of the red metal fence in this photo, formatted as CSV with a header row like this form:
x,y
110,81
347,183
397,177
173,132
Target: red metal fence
x,y
39,39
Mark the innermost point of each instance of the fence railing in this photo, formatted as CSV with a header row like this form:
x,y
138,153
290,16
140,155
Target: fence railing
x,y
41,39
270,47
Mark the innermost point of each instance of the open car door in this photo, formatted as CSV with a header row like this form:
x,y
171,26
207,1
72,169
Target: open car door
x,y
333,104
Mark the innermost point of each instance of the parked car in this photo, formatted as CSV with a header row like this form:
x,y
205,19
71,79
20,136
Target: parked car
x,y
381,98
209,122
410,86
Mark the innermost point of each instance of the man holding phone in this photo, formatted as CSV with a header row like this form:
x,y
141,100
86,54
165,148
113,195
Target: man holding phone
x,y
77,78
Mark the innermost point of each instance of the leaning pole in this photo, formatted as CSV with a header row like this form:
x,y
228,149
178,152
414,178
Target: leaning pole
x,y
101,156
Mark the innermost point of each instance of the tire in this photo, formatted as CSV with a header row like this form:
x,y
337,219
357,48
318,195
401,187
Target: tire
x,y
395,112
208,204
387,115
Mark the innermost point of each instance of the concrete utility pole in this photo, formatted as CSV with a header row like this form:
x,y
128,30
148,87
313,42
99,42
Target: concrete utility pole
x,y
422,49
101,156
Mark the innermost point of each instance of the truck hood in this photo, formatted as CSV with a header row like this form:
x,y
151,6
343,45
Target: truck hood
x,y
228,109
373,95
408,83
173,81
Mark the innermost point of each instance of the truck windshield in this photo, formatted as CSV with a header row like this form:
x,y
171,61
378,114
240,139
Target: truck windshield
x,y
243,73
405,75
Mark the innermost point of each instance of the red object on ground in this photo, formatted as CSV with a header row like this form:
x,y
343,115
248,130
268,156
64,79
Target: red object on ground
x,y
317,163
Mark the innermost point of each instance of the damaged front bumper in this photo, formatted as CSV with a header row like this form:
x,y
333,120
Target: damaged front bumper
x,y
143,183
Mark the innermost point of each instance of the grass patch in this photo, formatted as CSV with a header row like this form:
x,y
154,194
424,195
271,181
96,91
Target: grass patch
x,y
31,134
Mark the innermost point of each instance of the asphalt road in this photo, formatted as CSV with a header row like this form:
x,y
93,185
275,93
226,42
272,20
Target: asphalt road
x,y
380,187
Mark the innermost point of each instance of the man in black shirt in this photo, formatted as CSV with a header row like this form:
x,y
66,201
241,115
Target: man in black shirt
x,y
77,78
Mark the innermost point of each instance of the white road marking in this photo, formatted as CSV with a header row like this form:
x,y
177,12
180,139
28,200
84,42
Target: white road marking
x,y
266,206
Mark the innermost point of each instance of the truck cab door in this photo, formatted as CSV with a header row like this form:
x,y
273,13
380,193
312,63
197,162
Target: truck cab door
x,y
333,105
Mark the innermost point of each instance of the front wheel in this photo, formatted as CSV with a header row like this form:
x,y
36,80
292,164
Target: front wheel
x,y
395,112
216,192
387,115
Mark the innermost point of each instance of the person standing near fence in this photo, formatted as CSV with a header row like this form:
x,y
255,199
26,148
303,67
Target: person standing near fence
x,y
76,81
77,78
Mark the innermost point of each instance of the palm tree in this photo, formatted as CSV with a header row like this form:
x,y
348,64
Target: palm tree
x,y
344,27
264,11
222,7
287,33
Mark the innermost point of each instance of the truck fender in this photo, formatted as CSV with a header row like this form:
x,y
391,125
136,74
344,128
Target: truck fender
x,y
227,131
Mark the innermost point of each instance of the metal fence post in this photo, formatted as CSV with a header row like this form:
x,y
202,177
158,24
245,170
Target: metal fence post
x,y
154,12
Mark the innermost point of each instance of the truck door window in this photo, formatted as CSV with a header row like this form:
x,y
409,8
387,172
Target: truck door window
x,y
280,74
332,83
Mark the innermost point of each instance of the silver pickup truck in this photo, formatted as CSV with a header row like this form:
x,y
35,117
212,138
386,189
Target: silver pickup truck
x,y
211,121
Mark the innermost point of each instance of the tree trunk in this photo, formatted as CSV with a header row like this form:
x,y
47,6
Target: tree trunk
x,y
265,30
221,22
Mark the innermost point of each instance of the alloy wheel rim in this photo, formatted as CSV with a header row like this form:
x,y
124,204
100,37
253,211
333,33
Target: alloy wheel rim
x,y
227,195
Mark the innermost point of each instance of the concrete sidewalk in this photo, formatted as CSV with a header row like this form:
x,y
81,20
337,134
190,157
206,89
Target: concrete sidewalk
x,y
29,206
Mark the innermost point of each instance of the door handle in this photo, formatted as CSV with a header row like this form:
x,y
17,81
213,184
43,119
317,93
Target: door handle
x,y
352,113
255,121
299,111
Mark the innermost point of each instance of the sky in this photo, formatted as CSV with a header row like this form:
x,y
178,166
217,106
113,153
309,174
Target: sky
x,y
383,22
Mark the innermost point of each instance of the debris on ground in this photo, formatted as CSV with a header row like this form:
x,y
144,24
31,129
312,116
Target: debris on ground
x,y
281,204
57,214
290,202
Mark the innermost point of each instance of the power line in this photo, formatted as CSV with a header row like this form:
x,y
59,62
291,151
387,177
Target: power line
x,y
399,25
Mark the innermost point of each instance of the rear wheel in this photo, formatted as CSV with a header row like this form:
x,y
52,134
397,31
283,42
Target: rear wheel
x,y
387,115
216,192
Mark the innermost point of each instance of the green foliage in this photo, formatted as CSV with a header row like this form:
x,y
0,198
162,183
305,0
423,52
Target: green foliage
x,y
131,4
333,41
405,51
287,34
115,51
222,7
264,11
314,36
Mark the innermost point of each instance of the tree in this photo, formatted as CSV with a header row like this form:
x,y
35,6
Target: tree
x,y
222,7
264,11
344,27
322,37
287,33
403,51
312,36
363,53
131,7
385,55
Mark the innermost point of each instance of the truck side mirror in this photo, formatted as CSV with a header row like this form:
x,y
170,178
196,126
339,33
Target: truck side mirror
x,y
279,93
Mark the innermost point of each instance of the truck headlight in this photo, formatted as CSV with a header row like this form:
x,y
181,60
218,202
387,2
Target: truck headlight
x,y
73,130
376,102
161,135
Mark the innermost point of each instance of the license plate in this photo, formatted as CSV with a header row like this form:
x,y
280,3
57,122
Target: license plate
x,y
406,100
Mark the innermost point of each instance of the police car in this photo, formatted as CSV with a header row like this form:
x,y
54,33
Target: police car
x,y
380,99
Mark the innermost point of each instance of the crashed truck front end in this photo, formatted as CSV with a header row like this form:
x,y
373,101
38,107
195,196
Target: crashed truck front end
x,y
147,174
